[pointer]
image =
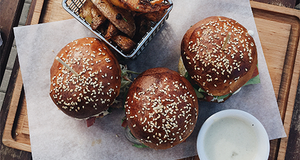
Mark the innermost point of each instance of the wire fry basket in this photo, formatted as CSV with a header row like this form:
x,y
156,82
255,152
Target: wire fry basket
x,y
73,8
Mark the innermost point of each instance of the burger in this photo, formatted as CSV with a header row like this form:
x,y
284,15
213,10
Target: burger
x,y
161,108
219,57
85,79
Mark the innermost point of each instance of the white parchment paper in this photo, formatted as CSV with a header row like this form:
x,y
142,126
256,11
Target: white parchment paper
x,y
54,135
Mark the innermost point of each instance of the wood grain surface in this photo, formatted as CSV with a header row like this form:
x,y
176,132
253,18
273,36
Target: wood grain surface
x,y
278,28
277,46
283,3
7,22
290,72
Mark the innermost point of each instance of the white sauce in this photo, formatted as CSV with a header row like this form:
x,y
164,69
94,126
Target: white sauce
x,y
230,139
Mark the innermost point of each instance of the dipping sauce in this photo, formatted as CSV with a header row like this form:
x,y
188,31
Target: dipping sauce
x,y
233,134
231,138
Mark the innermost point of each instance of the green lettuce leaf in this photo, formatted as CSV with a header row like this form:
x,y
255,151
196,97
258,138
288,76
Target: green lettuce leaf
x,y
254,80
199,94
140,146
201,90
223,97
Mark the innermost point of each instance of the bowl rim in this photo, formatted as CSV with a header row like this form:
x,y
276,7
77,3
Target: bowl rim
x,y
242,115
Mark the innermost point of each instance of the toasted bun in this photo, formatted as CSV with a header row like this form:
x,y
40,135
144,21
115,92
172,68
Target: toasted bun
x,y
219,71
98,83
161,108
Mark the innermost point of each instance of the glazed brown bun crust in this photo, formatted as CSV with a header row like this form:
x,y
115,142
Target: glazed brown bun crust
x,y
98,83
219,71
161,108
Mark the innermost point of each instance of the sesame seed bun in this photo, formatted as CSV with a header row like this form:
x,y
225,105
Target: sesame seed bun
x,y
219,70
161,108
97,85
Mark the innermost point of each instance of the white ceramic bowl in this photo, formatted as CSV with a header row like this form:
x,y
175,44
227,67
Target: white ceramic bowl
x,y
233,134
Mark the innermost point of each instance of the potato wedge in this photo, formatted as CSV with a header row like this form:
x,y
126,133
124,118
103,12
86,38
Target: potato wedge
x,y
121,18
125,43
91,14
143,6
111,31
155,16
143,26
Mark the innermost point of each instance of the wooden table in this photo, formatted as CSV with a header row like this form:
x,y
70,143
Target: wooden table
x,y
10,12
279,30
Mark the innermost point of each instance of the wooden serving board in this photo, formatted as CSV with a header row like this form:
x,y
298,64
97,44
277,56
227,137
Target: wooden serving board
x,y
279,30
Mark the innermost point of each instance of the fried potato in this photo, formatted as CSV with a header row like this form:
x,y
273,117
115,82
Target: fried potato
x,y
91,14
111,31
143,26
121,18
125,43
155,16
144,6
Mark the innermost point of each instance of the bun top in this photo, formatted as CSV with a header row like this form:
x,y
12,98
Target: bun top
x,y
161,108
97,85
218,69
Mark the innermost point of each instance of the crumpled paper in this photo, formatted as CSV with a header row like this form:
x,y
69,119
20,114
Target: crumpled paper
x,y
54,135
